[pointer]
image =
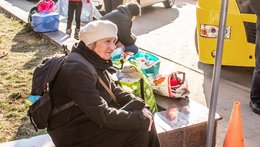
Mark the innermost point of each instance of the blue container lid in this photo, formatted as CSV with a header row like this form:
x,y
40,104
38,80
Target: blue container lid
x,y
45,14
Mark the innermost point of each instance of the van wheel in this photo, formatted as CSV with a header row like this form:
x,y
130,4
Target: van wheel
x,y
168,3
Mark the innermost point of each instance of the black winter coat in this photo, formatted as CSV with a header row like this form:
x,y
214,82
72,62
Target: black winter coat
x,y
122,18
95,109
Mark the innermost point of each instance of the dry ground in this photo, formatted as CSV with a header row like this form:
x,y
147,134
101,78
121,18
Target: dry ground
x,y
20,51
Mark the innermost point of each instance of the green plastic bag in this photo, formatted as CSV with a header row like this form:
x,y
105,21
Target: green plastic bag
x,y
142,90
133,80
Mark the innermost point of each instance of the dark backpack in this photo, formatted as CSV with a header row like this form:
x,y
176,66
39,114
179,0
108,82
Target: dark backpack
x,y
44,74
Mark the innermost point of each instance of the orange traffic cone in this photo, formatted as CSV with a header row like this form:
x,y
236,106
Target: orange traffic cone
x,y
234,136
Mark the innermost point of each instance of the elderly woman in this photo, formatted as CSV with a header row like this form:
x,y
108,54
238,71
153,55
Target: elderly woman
x,y
96,120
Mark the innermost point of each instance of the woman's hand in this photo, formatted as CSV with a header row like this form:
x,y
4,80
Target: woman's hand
x,y
120,45
148,115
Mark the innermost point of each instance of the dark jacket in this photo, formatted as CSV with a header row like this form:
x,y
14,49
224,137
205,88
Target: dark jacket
x,y
255,5
94,108
122,18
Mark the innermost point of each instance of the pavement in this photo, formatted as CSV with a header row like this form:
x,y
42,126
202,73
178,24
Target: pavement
x,y
199,80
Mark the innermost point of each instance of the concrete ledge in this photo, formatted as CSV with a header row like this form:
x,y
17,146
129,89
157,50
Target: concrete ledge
x,y
37,141
193,136
188,125
14,11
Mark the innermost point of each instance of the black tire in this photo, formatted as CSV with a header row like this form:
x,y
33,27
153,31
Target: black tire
x,y
168,3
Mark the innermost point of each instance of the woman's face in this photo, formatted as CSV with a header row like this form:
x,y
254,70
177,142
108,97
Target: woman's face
x,y
105,47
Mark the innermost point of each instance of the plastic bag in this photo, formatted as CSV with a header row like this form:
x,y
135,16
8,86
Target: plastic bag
x,y
172,85
46,6
88,12
133,80
148,62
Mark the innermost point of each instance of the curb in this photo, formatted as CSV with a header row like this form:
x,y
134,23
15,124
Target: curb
x,y
58,38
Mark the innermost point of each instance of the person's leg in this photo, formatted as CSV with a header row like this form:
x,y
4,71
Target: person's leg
x,y
137,139
70,17
131,48
255,89
113,138
153,138
78,10
108,5
116,3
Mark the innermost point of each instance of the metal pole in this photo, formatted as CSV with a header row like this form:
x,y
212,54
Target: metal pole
x,y
216,73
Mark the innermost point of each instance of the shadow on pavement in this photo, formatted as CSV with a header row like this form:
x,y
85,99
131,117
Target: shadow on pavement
x,y
152,18
42,48
26,130
239,75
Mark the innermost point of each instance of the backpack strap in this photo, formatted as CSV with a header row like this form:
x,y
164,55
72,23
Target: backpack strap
x,y
107,89
62,107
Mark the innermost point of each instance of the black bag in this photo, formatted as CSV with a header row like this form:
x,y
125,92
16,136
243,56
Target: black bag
x,y
41,110
32,11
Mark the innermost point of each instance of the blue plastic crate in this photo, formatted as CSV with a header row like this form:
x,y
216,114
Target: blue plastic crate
x,y
45,22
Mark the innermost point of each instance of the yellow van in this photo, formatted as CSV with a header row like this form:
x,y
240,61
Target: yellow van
x,y
239,44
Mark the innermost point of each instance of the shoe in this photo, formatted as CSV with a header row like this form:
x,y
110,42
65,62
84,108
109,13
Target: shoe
x,y
255,107
68,32
76,35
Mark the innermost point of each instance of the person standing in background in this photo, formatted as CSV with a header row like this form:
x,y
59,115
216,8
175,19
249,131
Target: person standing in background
x,y
89,11
75,6
255,89
123,17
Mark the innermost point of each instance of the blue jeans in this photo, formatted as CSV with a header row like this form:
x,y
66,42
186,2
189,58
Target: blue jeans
x,y
255,89
131,48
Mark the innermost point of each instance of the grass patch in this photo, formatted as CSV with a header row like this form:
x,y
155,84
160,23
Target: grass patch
x,y
20,51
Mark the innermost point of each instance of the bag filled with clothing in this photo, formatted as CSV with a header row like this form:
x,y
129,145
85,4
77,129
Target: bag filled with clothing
x,y
133,80
172,85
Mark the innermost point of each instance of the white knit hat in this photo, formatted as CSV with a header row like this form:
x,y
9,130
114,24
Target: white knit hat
x,y
96,30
